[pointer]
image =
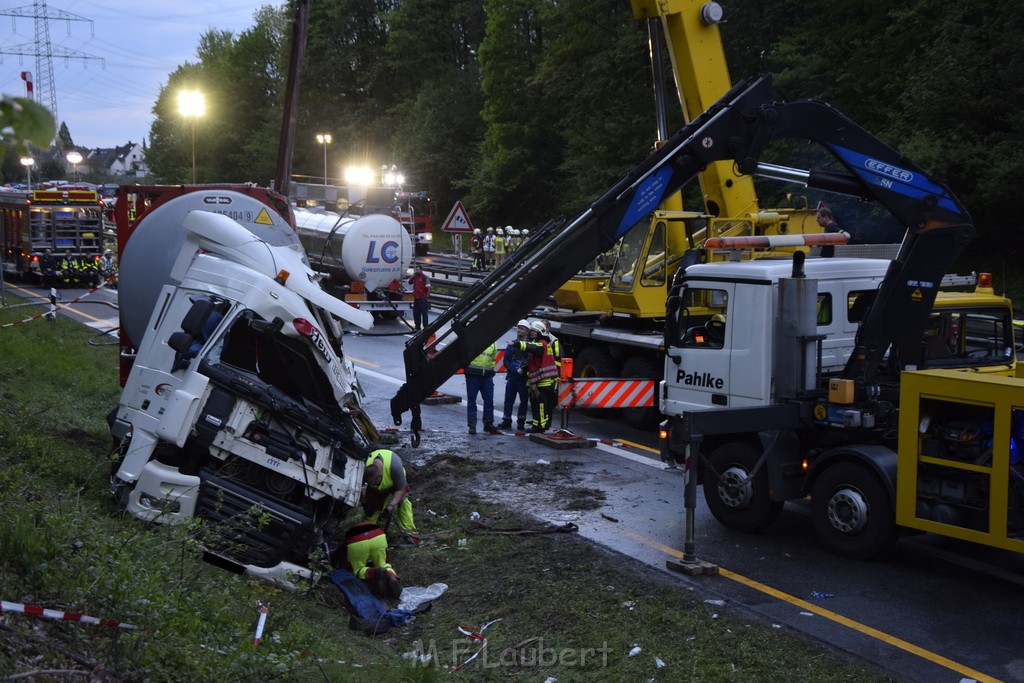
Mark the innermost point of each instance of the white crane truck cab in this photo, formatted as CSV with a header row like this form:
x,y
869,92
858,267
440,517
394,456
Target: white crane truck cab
x,y
725,355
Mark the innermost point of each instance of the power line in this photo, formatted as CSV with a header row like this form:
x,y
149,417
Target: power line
x,y
43,50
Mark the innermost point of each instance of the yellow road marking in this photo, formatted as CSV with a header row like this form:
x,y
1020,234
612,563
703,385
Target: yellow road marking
x,y
363,362
828,614
633,444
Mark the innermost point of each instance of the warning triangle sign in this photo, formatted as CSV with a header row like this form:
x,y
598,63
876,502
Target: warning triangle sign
x,y
263,218
458,220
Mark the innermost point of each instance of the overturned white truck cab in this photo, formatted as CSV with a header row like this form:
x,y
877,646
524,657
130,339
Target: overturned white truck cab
x,y
241,408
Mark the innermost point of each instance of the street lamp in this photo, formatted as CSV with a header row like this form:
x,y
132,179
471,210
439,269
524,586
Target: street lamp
x,y
324,139
27,162
192,105
75,158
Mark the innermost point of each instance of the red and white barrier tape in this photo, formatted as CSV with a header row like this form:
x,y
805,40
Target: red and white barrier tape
x,y
37,611
54,308
477,636
261,623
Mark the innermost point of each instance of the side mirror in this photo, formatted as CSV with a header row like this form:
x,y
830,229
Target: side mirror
x,y
263,326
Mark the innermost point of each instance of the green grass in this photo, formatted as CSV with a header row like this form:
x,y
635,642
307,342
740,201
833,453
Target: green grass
x,y
566,609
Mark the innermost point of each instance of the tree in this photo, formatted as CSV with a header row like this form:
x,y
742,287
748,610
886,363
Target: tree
x,y
64,141
519,152
436,97
240,78
52,169
597,88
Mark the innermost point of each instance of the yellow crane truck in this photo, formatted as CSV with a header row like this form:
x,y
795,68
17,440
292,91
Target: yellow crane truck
x,y
610,317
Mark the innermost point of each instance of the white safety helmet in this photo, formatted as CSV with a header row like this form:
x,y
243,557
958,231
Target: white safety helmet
x,y
515,232
523,323
490,229
508,227
476,231
500,231
525,231
538,327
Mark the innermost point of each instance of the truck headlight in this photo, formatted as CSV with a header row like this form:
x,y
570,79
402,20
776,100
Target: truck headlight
x,y
159,504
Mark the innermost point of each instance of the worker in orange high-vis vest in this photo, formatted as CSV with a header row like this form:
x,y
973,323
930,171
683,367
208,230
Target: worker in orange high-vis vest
x,y
366,555
542,375
387,490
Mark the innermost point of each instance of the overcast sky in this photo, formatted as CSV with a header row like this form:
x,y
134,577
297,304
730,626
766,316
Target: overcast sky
x,y
109,103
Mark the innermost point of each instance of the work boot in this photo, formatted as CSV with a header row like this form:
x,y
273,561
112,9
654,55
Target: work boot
x,y
472,428
505,424
490,429
521,426
537,429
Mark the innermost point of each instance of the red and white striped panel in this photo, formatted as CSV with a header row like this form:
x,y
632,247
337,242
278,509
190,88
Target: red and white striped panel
x,y
606,393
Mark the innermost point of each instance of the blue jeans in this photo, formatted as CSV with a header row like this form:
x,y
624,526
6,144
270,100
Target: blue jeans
x,y
420,307
484,386
515,385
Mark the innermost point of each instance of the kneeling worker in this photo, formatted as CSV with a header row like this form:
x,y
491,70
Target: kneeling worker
x,y
387,490
366,553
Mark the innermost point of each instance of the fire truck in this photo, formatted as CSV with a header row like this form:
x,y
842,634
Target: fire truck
x,y
59,219
414,210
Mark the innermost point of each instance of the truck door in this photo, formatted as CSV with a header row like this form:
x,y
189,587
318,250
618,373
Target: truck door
x,y
721,336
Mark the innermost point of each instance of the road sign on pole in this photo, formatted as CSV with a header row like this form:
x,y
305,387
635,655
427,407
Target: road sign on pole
x,y
458,220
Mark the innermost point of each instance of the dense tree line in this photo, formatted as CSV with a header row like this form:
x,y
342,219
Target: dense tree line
x,y
529,109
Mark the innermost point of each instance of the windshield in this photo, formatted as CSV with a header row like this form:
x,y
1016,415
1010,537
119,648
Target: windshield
x,y
968,337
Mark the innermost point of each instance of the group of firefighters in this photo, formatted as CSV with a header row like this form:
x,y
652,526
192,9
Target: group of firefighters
x,y
491,247
76,270
532,366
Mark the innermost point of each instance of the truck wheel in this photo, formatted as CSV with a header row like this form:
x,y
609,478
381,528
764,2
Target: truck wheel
x,y
851,512
593,361
736,500
639,367
422,249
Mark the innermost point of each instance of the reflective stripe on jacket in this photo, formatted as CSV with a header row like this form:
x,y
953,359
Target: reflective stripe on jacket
x,y
542,368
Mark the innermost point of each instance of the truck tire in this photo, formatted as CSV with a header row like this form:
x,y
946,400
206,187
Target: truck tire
x,y
737,501
851,512
593,361
422,249
640,367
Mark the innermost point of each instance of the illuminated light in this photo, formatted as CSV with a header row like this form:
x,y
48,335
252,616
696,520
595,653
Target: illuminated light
x,y
805,464
985,280
359,175
662,434
282,276
817,239
303,326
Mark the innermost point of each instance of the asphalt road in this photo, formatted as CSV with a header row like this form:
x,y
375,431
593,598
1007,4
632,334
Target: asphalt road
x,y
936,610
